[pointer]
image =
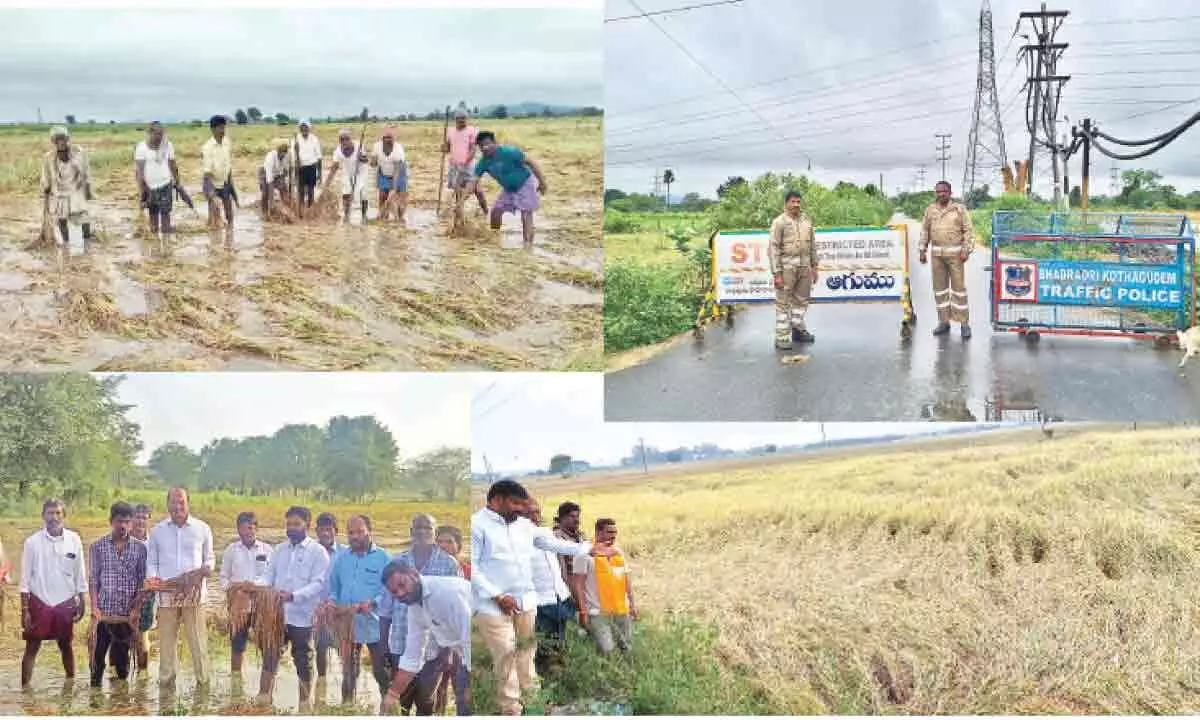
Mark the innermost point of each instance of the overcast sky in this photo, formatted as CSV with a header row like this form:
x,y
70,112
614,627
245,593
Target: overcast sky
x,y
423,411
175,64
520,420
860,87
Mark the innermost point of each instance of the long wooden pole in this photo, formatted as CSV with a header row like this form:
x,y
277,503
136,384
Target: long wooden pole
x,y
442,169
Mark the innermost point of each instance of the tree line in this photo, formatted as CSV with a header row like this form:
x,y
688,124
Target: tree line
x,y
70,436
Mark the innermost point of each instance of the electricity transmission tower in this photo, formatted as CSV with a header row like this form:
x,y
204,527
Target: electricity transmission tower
x,y
985,145
1045,88
943,149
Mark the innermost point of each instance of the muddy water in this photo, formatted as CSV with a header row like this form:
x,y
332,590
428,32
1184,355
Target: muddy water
x,y
51,694
273,296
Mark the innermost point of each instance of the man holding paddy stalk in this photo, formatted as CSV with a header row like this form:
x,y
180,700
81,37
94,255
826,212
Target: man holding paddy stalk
x,y
246,560
356,581
298,570
327,532
118,567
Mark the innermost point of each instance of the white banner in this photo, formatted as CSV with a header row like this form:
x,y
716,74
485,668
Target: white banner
x,y
855,264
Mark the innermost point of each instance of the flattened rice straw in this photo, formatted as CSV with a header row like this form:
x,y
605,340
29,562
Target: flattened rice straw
x,y
339,621
184,589
260,609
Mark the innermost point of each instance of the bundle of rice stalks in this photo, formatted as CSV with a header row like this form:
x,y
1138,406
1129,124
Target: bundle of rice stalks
x,y
326,206
260,609
339,621
184,589
90,310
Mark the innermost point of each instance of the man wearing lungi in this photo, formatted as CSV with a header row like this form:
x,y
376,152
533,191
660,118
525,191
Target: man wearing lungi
x,y
352,161
157,176
66,184
516,173
53,586
216,158
391,175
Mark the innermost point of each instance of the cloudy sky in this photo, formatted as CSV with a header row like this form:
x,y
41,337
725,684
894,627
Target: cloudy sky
x,y
179,64
860,87
423,411
520,420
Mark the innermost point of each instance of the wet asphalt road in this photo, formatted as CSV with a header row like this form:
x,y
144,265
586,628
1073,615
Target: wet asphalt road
x,y
860,369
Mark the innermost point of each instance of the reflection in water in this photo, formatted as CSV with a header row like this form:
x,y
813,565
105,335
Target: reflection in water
x,y
950,386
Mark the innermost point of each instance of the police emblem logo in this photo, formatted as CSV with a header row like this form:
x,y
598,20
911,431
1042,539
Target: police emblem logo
x,y
1018,280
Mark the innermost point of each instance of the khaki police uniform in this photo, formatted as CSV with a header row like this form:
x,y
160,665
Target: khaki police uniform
x,y
946,232
793,253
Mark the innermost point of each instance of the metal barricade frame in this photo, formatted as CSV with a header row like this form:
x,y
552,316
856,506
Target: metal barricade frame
x,y
1129,275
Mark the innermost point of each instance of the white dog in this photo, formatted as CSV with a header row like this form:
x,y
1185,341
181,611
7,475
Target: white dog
x,y
1189,342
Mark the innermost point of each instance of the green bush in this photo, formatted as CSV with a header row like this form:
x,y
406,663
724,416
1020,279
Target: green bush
x,y
620,223
673,670
645,304
754,205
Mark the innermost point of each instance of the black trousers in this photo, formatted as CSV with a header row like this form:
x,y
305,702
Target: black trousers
x,y
300,638
113,641
422,691
351,666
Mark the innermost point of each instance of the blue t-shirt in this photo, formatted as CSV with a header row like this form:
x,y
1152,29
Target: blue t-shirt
x,y
507,165
353,579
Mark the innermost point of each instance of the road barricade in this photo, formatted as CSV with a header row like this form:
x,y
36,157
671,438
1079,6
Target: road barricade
x,y
1096,274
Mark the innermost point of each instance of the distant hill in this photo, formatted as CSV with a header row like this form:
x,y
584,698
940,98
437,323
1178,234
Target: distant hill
x,y
533,108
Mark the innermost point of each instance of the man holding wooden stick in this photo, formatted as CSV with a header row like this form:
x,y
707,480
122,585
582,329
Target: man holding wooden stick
x,y
391,175
245,560
181,549
66,184
460,144
118,570
53,586
298,572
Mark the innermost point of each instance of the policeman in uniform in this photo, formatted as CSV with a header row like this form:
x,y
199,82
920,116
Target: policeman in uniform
x,y
947,227
793,255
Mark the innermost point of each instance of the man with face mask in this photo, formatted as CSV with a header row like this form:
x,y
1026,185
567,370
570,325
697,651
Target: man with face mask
x,y
66,184
53,586
428,559
118,569
178,545
298,571
437,637
245,560
502,548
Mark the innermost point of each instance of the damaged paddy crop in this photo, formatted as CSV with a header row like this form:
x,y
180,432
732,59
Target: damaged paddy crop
x,y
310,294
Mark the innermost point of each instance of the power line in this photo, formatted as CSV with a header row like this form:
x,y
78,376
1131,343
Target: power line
x,y
799,96
806,73
1158,110
695,61
1138,21
674,10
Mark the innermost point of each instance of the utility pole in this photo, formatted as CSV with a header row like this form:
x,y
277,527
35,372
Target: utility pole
x,y
1087,161
1114,182
1044,88
39,114
985,143
921,177
487,466
645,468
943,149
656,184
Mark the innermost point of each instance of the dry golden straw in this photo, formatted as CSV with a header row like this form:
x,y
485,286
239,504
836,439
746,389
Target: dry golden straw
x,y
260,609
339,621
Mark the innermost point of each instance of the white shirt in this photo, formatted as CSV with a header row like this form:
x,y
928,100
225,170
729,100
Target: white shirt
x,y
302,569
547,573
276,166
158,168
310,149
245,564
388,163
52,567
441,620
501,555
349,165
174,550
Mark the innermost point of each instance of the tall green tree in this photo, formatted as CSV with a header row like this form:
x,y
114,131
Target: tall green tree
x,y
176,465
444,473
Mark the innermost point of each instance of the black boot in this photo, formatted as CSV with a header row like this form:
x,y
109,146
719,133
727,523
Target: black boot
x,y
802,336
942,328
